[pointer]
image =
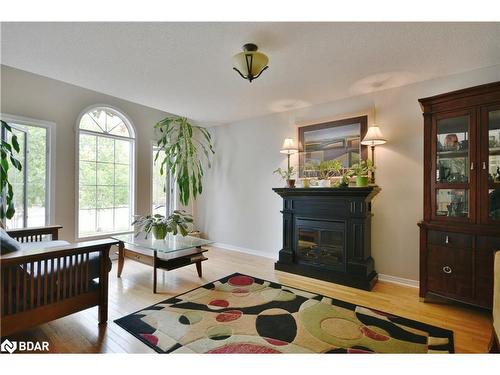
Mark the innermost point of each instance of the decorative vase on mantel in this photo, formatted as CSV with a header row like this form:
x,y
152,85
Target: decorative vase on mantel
x,y
324,183
361,181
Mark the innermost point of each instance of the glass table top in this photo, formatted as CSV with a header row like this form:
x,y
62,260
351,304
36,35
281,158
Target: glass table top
x,y
170,244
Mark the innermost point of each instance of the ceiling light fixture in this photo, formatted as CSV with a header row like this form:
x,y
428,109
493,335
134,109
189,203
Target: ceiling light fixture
x,y
250,63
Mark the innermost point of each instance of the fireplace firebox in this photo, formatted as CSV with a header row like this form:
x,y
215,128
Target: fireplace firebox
x,y
327,234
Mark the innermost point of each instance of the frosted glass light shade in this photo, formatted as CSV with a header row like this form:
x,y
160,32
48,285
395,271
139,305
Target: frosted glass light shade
x,y
373,137
288,146
250,63
257,61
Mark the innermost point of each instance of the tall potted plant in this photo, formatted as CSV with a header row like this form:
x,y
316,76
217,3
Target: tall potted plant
x,y
8,151
182,145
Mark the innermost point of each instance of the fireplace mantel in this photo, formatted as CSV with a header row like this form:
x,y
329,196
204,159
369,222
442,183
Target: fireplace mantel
x,y
327,234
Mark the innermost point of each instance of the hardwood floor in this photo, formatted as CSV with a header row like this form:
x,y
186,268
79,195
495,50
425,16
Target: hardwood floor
x,y
80,333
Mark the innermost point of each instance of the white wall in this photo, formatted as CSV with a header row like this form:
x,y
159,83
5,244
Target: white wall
x,y
30,95
239,208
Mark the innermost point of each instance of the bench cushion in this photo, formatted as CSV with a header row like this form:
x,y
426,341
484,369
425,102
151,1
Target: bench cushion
x,y
7,243
41,244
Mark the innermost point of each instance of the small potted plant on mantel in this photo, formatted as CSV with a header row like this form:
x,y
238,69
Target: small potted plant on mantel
x,y
361,171
287,174
343,179
328,172
177,222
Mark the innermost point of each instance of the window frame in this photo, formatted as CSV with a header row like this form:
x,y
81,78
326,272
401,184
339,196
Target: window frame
x,y
133,161
50,157
169,209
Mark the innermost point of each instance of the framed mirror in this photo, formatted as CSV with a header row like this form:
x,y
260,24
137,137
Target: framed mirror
x,y
332,140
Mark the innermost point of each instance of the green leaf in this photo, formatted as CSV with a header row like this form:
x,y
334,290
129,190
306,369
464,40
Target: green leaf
x,y
7,126
16,163
15,143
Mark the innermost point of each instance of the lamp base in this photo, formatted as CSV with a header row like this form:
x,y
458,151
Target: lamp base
x,y
372,177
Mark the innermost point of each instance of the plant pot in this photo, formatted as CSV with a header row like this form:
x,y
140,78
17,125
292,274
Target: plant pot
x,y
306,183
290,183
159,232
335,181
324,183
361,181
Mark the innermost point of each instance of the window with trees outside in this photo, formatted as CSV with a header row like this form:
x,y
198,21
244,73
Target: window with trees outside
x,y
31,184
161,187
106,169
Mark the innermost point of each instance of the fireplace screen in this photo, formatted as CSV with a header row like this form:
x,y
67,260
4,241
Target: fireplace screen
x,y
321,243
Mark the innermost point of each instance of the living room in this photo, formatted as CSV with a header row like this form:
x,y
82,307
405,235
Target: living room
x,y
250,187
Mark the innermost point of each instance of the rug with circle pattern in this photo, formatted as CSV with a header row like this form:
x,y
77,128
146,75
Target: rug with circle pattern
x,y
244,314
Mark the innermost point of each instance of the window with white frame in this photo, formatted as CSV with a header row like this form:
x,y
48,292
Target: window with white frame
x,y
160,199
31,185
106,172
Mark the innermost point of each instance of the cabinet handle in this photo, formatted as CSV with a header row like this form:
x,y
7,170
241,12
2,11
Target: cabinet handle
x,y
447,240
484,165
472,166
447,269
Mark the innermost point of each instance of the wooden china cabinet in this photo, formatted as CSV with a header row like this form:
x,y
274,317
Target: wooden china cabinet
x,y
461,227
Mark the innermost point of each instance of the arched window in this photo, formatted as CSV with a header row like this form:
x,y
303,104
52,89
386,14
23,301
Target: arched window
x,y
106,172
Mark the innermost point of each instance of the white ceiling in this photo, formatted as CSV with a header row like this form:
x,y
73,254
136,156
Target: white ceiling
x,y
185,68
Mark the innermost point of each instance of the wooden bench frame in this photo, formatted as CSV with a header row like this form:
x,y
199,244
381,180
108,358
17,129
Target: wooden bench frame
x,y
27,300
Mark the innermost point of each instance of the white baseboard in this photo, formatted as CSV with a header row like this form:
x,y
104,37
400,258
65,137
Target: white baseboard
x,y
243,250
381,277
398,280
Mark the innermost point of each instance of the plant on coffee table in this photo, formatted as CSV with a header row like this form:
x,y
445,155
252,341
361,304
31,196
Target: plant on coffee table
x,y
177,222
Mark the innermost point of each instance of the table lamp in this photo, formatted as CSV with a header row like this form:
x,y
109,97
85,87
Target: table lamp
x,y
373,138
288,148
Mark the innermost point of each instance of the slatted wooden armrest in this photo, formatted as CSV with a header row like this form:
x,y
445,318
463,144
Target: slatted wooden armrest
x,y
35,233
31,255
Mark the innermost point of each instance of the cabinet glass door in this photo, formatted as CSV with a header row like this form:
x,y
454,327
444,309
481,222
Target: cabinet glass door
x,y
492,165
453,168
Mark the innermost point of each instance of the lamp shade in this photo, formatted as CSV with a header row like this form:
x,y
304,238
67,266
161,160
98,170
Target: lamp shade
x,y
288,146
373,137
250,63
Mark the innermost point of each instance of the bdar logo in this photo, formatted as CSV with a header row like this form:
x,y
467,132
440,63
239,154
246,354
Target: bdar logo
x,y
8,346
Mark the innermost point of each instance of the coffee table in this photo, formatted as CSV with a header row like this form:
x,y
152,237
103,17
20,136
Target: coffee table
x,y
168,254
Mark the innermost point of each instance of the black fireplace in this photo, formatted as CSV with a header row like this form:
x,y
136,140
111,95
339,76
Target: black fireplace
x,y
327,234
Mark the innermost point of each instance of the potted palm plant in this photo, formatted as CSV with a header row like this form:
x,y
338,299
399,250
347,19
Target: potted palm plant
x,y
182,147
177,222
287,174
361,170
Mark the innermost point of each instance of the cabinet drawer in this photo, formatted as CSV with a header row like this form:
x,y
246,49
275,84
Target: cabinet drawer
x,y
450,239
449,271
139,257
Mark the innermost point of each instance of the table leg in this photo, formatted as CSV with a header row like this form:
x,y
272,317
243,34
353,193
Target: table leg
x,y
121,258
198,264
198,268
154,273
